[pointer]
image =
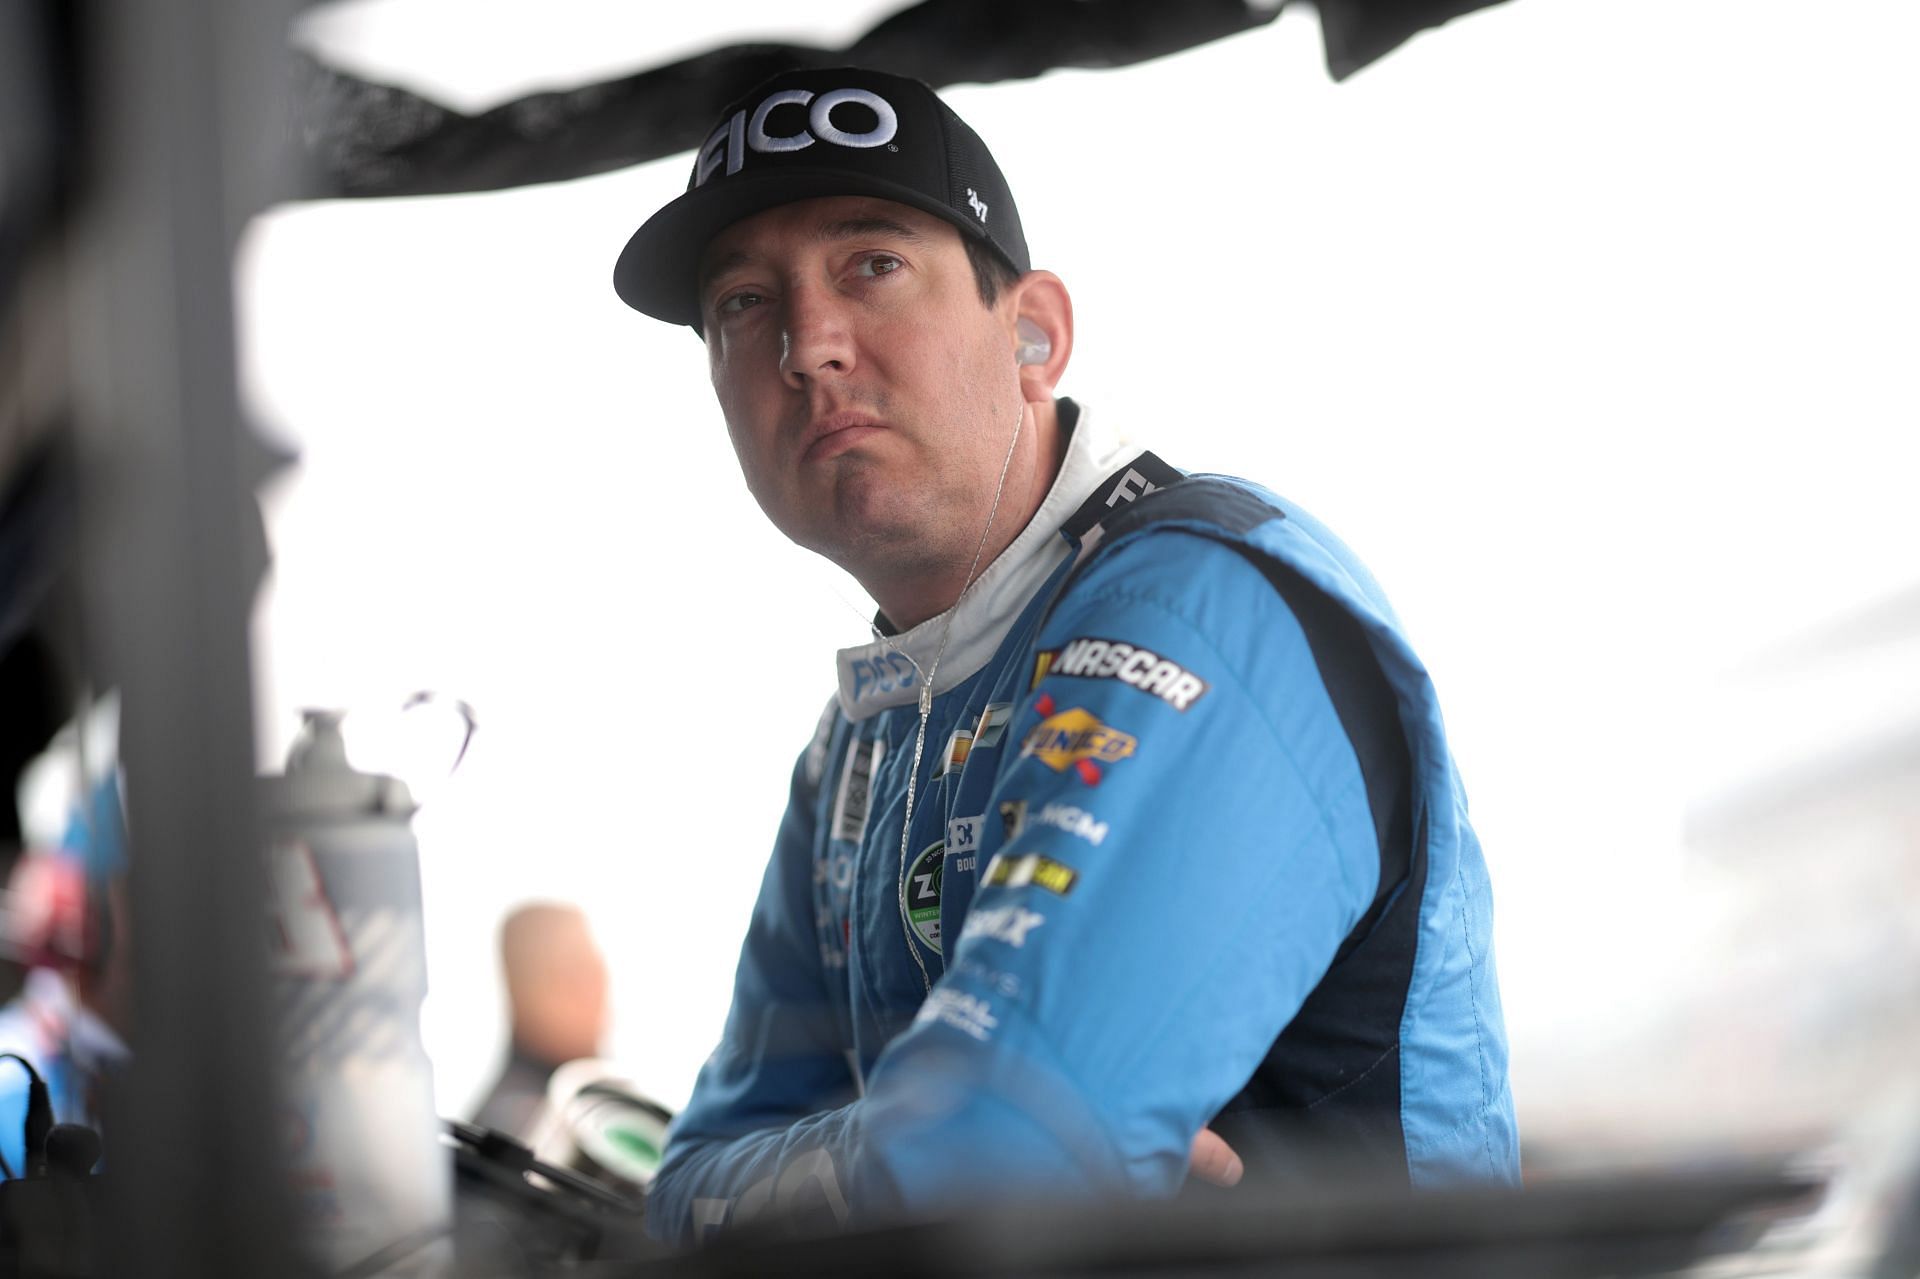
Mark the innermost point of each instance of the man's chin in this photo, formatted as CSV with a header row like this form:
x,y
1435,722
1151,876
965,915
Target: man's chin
x,y
874,537
871,506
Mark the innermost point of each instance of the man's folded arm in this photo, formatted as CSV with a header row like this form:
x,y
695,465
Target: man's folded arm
x,y
781,1062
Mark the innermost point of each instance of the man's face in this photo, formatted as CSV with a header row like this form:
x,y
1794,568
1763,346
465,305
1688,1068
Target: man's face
x,y
869,393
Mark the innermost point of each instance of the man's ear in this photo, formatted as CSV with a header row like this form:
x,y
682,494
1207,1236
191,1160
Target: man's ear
x,y
1041,309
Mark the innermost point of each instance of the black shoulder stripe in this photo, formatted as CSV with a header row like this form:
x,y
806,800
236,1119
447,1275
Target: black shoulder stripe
x,y
1370,714
1145,474
1199,498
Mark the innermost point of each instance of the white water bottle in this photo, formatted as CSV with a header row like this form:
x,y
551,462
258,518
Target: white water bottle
x,y
372,1183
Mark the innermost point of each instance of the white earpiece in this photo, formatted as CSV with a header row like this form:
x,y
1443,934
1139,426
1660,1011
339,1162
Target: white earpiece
x,y
1034,347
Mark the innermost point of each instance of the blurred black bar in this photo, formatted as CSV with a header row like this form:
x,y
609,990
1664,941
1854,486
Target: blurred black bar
x,y
367,139
181,107
1654,1224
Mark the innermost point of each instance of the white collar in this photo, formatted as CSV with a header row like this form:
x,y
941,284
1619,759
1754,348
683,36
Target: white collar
x,y
885,672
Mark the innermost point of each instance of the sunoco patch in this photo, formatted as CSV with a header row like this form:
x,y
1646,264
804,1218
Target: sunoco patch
x,y
1059,741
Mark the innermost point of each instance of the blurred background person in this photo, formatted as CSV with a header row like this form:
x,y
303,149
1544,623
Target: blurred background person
x,y
65,922
556,980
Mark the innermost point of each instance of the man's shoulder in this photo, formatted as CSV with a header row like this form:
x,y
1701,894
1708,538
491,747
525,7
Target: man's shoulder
x,y
1224,520
1179,539
1227,556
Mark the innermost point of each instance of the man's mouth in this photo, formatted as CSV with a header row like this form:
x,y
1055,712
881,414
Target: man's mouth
x,y
837,432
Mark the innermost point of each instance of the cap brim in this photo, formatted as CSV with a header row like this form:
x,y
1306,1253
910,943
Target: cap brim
x,y
658,273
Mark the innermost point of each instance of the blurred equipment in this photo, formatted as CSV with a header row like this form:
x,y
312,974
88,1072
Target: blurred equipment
x,y
602,1127
557,999
521,1216
360,1134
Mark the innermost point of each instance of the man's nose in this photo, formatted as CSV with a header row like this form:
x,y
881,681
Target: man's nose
x,y
818,342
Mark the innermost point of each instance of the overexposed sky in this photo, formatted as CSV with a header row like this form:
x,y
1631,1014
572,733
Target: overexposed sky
x,y
1590,326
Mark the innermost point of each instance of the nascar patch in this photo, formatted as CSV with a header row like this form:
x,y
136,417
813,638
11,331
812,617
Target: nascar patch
x,y
1031,868
1062,740
1091,657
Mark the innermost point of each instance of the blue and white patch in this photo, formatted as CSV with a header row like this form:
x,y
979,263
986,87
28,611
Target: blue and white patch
x,y
1074,821
1008,924
968,1014
963,842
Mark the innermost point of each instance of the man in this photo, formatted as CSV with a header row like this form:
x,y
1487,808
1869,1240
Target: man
x,y
1134,828
557,1004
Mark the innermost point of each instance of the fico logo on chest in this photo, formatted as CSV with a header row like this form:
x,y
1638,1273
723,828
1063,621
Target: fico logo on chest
x,y
744,132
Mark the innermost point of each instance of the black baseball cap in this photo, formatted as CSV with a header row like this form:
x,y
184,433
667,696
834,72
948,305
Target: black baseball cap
x,y
810,133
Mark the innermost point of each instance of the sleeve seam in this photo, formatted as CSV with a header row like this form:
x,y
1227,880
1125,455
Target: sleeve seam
x,y
1249,915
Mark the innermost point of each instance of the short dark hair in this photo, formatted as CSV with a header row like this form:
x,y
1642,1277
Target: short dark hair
x,y
991,272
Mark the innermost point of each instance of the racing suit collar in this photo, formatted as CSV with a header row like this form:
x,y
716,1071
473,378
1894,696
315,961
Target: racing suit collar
x,y
883,673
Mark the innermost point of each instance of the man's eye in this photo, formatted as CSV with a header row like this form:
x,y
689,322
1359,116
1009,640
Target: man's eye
x,y
880,264
738,302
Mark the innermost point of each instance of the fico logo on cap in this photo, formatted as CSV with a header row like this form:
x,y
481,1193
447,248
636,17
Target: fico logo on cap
x,y
743,132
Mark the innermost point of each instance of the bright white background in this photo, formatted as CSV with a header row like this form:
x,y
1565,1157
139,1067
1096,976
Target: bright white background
x,y
1590,325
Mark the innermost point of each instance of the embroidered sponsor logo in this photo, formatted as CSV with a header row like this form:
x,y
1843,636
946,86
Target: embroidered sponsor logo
x,y
856,789
835,869
963,843
1031,868
1013,818
959,745
969,1014
879,676
1131,487
1074,821
743,133
920,894
974,972
993,725
1093,658
1060,741
1009,924
1042,663
978,205
963,833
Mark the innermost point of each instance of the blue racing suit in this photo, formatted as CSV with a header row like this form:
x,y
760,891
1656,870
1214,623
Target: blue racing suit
x,y
1187,848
